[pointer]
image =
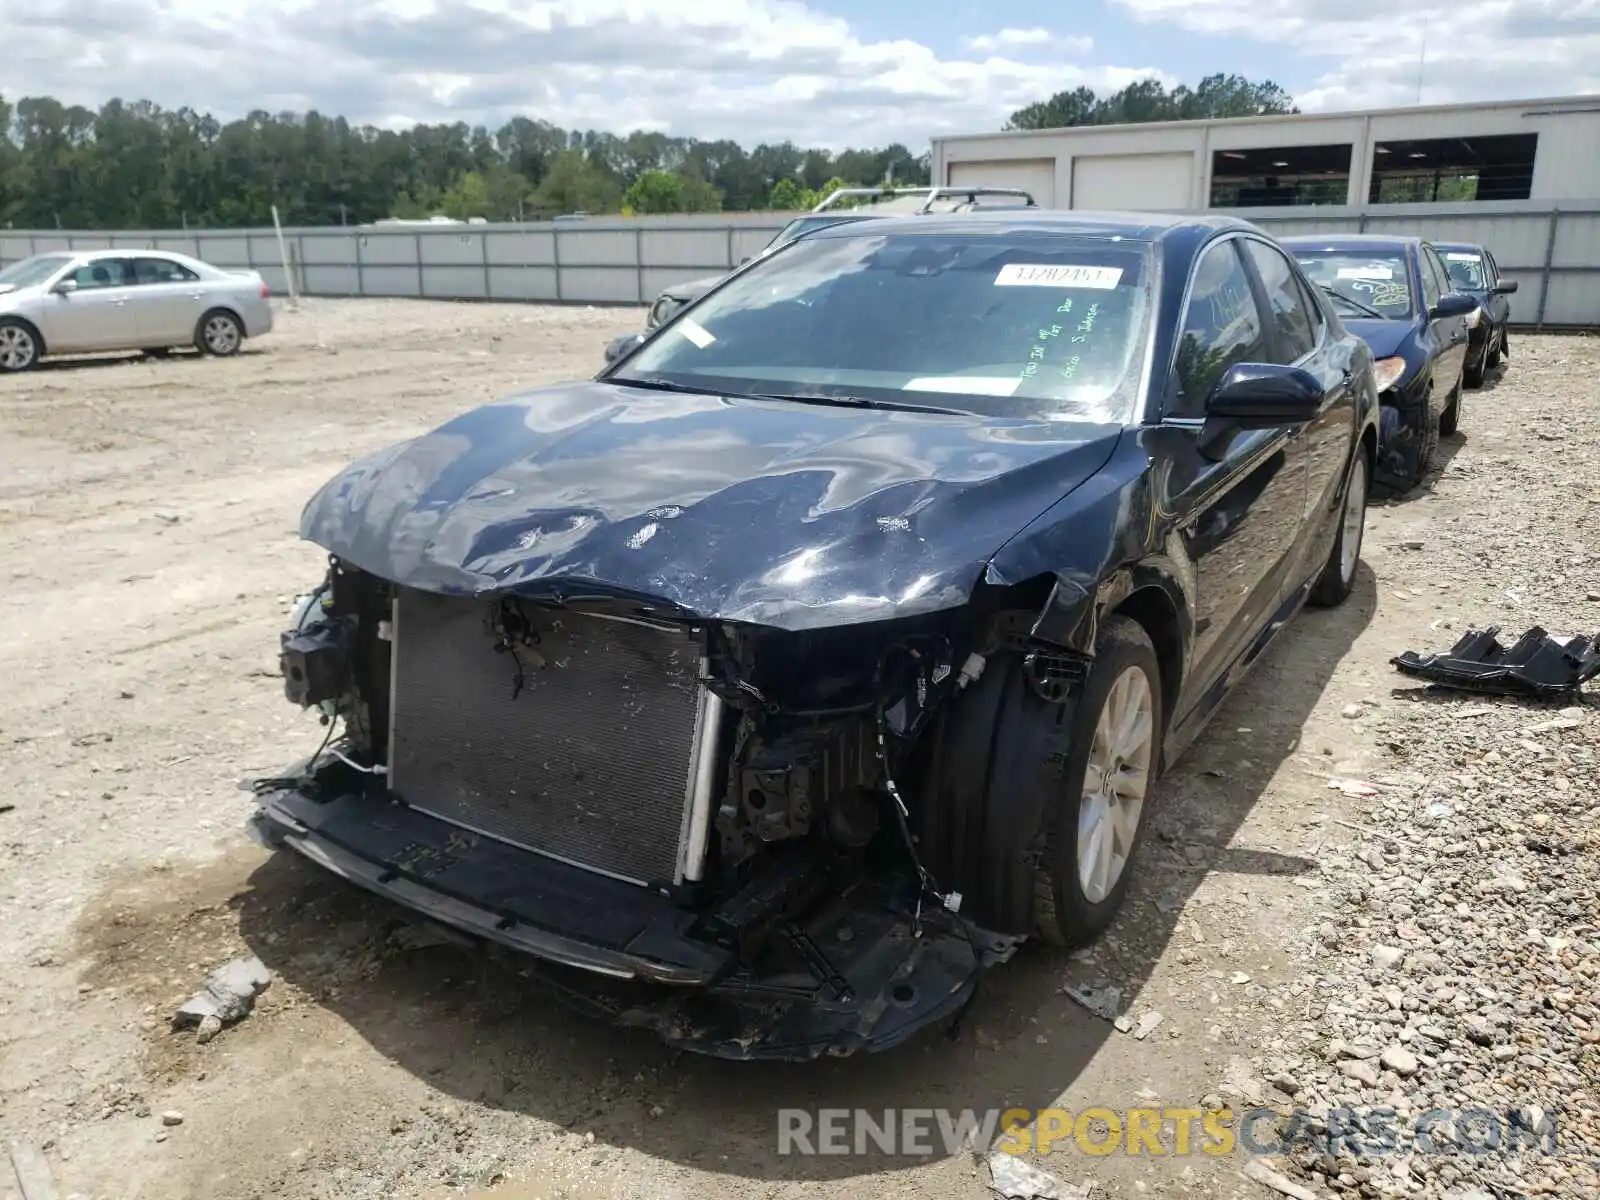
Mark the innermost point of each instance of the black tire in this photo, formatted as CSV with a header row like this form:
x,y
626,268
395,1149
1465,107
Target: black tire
x,y
219,333
1064,915
1472,376
1501,349
1450,418
20,346
1338,578
1431,420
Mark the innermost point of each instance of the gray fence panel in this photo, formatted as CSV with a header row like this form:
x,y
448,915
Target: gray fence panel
x,y
338,250
325,280
601,285
456,283
390,281
1554,255
523,283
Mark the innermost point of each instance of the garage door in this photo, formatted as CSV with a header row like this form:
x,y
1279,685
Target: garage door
x,y
1133,182
1037,176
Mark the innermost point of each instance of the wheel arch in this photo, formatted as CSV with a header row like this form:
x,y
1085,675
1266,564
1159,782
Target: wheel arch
x,y
38,334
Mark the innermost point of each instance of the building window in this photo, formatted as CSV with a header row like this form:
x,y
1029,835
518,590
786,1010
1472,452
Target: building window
x,y
1441,170
1276,177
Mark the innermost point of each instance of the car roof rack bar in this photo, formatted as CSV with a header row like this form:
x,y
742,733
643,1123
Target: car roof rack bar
x,y
932,195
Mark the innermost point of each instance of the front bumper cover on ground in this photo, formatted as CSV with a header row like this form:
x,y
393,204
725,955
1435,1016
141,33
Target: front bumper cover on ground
x,y
1536,664
873,974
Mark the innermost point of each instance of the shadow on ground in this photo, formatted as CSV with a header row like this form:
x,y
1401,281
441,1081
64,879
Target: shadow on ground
x,y
470,1027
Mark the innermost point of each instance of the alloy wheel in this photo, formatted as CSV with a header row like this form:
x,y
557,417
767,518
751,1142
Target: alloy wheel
x,y
1114,783
17,348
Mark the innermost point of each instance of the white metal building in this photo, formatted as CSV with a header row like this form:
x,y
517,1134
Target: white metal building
x,y
1544,151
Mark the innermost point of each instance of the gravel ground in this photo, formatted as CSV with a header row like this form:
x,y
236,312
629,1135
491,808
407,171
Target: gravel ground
x,y
1361,895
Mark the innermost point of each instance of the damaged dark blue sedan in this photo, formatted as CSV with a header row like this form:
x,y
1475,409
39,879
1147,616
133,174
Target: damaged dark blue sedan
x,y
828,645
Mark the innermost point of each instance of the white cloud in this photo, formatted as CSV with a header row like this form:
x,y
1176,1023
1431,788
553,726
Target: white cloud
x,y
1475,49
1024,40
752,70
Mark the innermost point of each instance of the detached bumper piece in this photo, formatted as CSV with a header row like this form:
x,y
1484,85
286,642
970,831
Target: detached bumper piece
x,y
742,980
1536,664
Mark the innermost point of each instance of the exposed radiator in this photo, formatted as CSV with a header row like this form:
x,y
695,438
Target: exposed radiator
x,y
594,760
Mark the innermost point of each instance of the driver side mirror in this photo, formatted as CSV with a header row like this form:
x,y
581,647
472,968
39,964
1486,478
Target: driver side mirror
x,y
1452,304
65,287
1505,287
1257,396
620,347
1264,395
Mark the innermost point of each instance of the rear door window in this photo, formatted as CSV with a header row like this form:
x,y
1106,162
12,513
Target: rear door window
x,y
161,270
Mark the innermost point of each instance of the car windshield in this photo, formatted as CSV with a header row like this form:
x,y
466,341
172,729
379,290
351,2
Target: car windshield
x,y
1466,270
1375,279
35,270
1039,326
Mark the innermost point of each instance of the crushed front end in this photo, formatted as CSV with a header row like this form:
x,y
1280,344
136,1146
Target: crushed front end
x,y
696,825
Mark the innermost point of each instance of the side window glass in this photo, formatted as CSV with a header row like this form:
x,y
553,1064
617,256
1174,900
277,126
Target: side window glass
x,y
160,270
1295,334
1313,309
1221,326
1431,289
102,273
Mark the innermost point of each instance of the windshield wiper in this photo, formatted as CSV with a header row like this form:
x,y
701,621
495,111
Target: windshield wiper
x,y
653,384
1342,298
846,401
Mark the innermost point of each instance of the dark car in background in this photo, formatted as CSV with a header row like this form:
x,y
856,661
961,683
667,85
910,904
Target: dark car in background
x,y
1395,293
1474,271
829,645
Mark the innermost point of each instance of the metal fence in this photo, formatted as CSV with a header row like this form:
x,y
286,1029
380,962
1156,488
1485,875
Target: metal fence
x,y
1554,254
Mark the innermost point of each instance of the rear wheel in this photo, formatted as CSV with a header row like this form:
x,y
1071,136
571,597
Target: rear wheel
x,y
219,333
1338,576
1095,824
19,345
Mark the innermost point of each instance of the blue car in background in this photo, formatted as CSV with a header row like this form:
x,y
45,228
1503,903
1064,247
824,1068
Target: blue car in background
x,y
1474,271
1395,294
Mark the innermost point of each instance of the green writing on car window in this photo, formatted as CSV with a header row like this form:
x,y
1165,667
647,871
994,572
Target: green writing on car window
x,y
1054,332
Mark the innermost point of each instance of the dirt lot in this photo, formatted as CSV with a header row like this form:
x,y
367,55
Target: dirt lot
x,y
1286,930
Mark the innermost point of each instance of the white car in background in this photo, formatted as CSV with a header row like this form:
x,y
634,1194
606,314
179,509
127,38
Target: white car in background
x,y
65,302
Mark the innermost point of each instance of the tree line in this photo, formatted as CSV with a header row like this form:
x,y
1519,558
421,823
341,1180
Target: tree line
x,y
136,165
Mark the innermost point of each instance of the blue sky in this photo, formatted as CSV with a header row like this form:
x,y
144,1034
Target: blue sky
x,y
819,72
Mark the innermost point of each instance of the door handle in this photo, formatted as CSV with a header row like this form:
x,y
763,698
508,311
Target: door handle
x,y
197,295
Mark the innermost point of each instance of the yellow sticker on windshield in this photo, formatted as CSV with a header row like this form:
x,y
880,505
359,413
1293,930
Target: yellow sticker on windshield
x,y
696,333
1046,275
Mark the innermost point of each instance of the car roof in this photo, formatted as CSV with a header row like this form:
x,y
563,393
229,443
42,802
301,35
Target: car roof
x,y
124,251
1352,241
1129,226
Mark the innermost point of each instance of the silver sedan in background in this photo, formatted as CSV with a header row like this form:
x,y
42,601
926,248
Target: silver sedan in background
x,y
152,300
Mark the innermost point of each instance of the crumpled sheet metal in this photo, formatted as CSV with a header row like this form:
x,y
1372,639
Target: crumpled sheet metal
x,y
1536,664
229,995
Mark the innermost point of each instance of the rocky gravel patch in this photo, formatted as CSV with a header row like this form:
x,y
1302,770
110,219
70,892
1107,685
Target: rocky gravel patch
x,y
1445,1032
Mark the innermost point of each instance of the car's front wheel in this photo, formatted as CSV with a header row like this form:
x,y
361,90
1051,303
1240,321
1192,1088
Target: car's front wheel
x,y
219,333
1095,824
19,345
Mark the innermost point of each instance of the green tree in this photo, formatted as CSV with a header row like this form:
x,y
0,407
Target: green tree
x,y
1148,100
574,184
790,195
655,191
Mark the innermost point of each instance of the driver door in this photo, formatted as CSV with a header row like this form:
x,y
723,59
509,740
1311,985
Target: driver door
x,y
1240,519
99,314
